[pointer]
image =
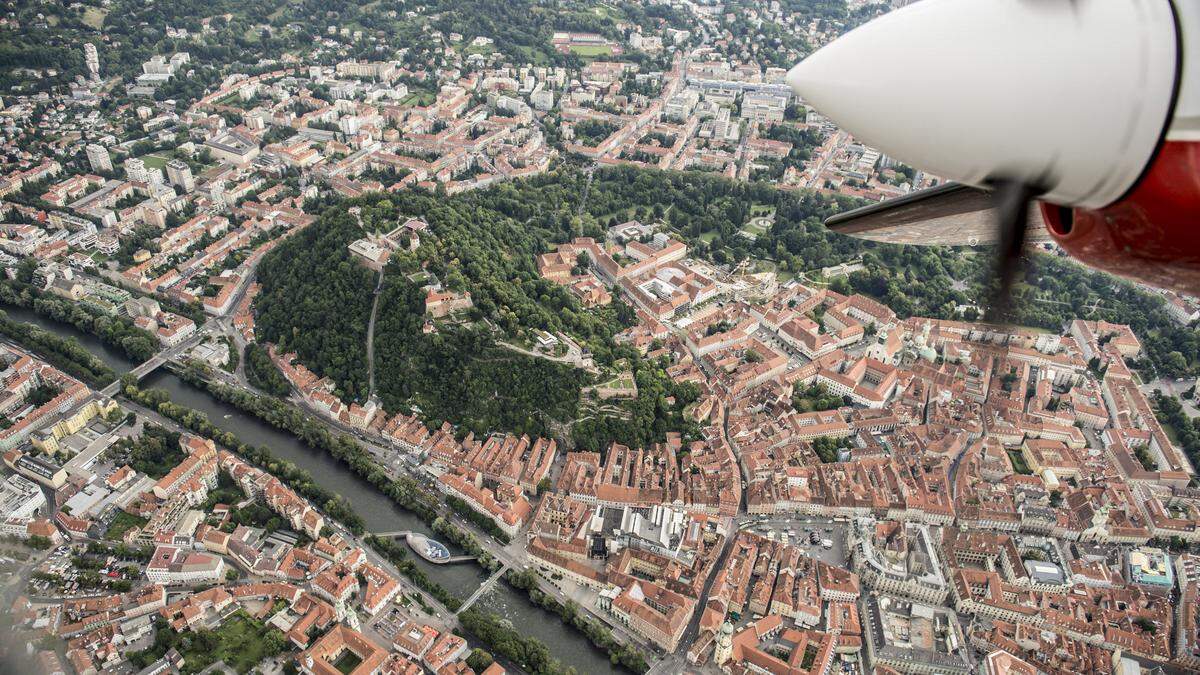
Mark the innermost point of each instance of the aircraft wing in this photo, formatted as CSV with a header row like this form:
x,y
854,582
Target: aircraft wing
x,y
951,214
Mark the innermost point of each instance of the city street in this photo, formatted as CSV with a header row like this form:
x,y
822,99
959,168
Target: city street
x,y
795,531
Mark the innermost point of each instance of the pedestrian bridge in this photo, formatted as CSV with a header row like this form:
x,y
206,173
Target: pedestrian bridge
x,y
430,550
483,588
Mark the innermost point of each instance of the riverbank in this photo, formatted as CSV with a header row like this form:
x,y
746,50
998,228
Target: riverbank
x,y
403,490
66,354
301,481
297,479
276,412
379,512
395,553
627,656
114,331
406,493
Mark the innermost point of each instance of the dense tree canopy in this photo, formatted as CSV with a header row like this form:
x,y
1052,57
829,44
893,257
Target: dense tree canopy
x,y
262,373
316,301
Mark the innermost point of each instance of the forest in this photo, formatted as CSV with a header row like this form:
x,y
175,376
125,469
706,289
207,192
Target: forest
x,y
262,373
462,376
139,34
459,373
154,453
316,301
244,34
1051,291
522,29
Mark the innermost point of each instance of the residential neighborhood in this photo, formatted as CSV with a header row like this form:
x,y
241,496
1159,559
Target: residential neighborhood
x,y
460,337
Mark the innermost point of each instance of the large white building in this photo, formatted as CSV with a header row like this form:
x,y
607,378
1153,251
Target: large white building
x,y
179,566
763,107
232,147
20,498
92,59
542,99
179,173
98,157
135,170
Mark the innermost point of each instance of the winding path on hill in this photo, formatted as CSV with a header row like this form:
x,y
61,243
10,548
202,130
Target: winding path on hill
x,y
371,338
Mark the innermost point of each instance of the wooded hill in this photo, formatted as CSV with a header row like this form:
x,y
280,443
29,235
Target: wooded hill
x,y
316,300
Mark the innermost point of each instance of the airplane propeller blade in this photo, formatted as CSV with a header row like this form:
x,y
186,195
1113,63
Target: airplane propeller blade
x,y
1012,200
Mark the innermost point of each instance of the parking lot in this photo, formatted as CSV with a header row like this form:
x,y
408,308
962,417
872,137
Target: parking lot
x,y
799,531
59,575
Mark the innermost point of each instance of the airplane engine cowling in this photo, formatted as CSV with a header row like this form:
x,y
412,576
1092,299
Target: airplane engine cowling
x,y
1150,235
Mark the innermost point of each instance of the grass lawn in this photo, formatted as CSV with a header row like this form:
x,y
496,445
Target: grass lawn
x,y
421,98
241,642
479,49
155,161
94,17
1018,462
347,662
533,55
621,215
756,227
760,266
762,210
1039,329
121,524
604,11
591,50
1170,432
621,381
707,237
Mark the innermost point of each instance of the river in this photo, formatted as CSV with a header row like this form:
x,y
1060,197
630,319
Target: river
x,y
379,512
